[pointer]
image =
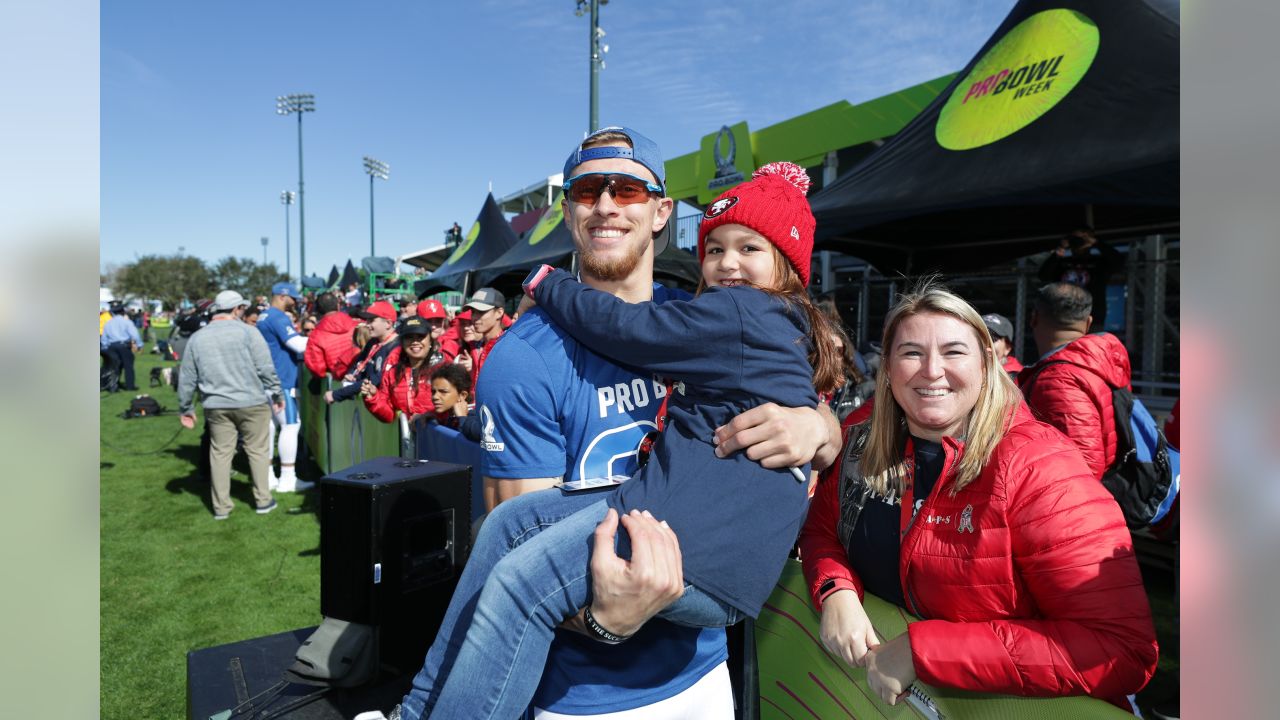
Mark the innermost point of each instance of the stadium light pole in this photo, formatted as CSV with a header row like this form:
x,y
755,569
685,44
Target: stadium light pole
x,y
597,51
299,104
286,199
375,169
264,251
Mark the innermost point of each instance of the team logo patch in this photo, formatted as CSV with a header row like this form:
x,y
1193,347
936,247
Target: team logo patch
x,y
966,520
720,207
488,441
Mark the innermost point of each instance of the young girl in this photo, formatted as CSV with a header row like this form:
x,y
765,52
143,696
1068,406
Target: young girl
x,y
405,383
752,336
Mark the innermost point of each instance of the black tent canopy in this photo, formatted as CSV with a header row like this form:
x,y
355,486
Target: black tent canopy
x,y
333,277
1067,117
488,239
349,275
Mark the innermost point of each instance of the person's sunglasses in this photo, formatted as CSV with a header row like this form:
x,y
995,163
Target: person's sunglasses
x,y
626,189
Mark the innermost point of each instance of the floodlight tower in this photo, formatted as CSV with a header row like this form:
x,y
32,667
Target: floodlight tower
x,y
597,51
375,169
264,251
299,104
286,199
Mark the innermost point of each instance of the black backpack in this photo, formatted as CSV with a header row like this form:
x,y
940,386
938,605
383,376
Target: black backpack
x,y
143,406
1144,479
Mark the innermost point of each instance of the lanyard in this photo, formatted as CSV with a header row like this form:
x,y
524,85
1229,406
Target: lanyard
x,y
907,510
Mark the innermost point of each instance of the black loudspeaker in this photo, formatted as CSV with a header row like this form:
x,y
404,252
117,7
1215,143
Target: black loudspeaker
x,y
393,537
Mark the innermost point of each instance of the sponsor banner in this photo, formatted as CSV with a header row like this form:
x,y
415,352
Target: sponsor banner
x,y
1023,76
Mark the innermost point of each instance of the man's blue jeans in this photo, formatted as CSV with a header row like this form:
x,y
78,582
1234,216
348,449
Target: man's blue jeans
x,y
528,571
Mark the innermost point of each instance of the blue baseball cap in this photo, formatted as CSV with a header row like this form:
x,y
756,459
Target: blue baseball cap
x,y
642,150
286,288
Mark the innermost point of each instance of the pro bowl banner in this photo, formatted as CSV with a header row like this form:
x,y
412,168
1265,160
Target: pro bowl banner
x,y
800,679
1023,76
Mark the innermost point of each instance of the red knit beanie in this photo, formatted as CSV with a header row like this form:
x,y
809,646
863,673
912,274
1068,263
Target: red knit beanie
x,y
773,204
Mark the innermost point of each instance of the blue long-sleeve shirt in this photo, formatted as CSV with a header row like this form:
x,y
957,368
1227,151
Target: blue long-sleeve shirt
x,y
727,351
119,329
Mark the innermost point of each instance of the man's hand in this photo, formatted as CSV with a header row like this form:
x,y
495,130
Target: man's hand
x,y
277,407
846,630
778,437
626,594
890,669
328,396
188,421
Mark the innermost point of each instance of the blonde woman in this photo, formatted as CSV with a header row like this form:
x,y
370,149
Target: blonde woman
x,y
956,504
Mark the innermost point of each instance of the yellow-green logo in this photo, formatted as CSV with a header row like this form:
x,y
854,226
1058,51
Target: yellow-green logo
x,y
1030,70
549,221
472,234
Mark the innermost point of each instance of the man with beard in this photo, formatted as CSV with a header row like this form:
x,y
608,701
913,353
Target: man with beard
x,y
286,347
551,409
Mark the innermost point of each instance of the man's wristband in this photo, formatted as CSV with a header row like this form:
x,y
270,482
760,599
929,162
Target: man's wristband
x,y
598,632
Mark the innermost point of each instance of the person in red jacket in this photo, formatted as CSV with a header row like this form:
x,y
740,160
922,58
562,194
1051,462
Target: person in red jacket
x,y
487,313
329,346
406,381
1070,386
959,506
433,312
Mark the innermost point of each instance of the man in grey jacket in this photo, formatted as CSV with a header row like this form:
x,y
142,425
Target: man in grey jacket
x,y
228,361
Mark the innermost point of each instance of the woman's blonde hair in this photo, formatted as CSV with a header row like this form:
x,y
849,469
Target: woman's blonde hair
x,y
882,461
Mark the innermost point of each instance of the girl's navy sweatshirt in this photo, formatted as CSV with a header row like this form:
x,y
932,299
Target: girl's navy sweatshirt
x,y
726,351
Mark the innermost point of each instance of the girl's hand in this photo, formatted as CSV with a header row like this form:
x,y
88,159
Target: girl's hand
x,y
464,359
890,669
460,408
367,389
846,630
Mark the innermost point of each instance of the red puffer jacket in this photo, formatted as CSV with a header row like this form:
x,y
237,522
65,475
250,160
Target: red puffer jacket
x,y
330,348
393,396
1073,393
1027,576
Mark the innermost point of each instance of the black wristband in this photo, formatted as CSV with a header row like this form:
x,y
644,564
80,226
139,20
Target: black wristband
x,y
598,632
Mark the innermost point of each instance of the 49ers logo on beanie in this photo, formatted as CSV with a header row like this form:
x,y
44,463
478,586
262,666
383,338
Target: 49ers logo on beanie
x,y
720,207
773,204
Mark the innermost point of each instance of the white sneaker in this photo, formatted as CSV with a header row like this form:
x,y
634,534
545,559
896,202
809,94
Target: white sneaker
x,y
291,484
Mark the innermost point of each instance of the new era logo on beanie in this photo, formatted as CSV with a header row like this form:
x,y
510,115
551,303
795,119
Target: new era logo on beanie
x,y
773,204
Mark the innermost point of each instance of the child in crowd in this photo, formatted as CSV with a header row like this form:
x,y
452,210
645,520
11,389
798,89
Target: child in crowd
x,y
751,336
451,393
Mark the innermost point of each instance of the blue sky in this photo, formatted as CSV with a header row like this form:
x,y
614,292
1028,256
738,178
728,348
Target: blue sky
x,y
454,96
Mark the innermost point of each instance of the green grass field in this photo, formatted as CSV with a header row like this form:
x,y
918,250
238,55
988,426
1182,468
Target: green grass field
x,y
172,578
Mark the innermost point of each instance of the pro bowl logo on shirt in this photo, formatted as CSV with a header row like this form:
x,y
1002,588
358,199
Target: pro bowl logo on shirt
x,y
487,426
1023,76
720,206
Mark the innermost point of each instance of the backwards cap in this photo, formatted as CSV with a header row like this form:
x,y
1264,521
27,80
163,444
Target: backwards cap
x,y
642,150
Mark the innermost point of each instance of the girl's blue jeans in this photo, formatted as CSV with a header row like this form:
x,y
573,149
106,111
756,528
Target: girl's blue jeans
x,y
528,572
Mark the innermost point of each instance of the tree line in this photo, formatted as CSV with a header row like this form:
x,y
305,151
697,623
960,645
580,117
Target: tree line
x,y
174,278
